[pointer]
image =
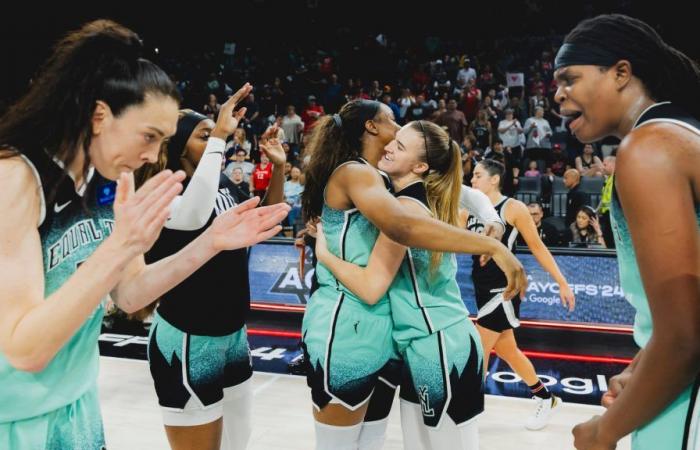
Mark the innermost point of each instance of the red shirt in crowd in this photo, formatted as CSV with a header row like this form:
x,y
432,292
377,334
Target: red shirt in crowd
x,y
471,103
310,115
261,176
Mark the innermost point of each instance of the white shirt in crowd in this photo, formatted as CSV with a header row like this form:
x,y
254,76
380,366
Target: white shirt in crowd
x,y
245,166
540,139
464,75
509,132
292,127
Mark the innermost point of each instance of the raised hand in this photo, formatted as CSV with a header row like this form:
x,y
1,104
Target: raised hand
x,y
273,147
228,119
140,215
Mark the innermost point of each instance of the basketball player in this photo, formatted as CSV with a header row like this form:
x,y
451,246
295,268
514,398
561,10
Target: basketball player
x,y
95,113
617,77
497,316
344,189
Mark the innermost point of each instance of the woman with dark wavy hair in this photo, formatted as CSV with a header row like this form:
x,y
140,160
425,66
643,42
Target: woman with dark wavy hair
x,y
96,113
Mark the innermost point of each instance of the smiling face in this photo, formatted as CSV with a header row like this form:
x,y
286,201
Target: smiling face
x,y
403,155
126,142
590,96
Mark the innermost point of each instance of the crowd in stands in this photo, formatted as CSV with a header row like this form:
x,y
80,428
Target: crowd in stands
x,y
495,100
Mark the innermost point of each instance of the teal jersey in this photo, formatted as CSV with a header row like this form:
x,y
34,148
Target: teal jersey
x,y
677,425
630,278
70,232
424,301
350,237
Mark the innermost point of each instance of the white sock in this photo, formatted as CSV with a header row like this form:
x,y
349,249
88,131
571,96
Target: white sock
x,y
373,434
238,405
331,437
459,437
418,436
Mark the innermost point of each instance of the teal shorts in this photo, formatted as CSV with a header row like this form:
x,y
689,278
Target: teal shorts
x,y
194,394
77,426
348,348
444,373
676,427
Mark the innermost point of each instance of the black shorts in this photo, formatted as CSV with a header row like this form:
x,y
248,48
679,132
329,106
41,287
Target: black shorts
x,y
496,313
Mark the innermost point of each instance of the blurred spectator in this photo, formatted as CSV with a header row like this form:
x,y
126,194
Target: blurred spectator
x,y
441,109
548,232
487,105
418,111
237,179
486,80
281,135
375,92
311,114
292,195
575,199
333,98
240,163
465,75
238,142
470,100
538,132
287,170
405,102
470,159
454,121
211,109
279,96
606,199
558,162
518,110
481,130
510,131
293,127
539,100
386,99
532,170
510,176
588,164
537,84
585,230
252,120
262,174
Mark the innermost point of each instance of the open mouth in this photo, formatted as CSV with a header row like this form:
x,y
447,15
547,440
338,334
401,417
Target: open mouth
x,y
573,116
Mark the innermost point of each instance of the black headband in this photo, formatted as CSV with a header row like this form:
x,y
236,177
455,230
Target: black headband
x,y
176,147
582,54
445,166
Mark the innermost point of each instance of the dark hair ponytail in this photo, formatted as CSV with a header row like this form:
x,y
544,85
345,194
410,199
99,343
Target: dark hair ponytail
x,y
334,140
99,61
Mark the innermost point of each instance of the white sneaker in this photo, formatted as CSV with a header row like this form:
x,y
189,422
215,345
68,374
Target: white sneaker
x,y
543,412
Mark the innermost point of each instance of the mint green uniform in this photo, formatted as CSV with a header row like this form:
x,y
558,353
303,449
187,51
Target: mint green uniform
x,y
677,426
440,346
347,343
58,407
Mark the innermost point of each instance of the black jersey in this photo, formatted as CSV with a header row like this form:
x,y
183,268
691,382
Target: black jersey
x,y
490,276
215,299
